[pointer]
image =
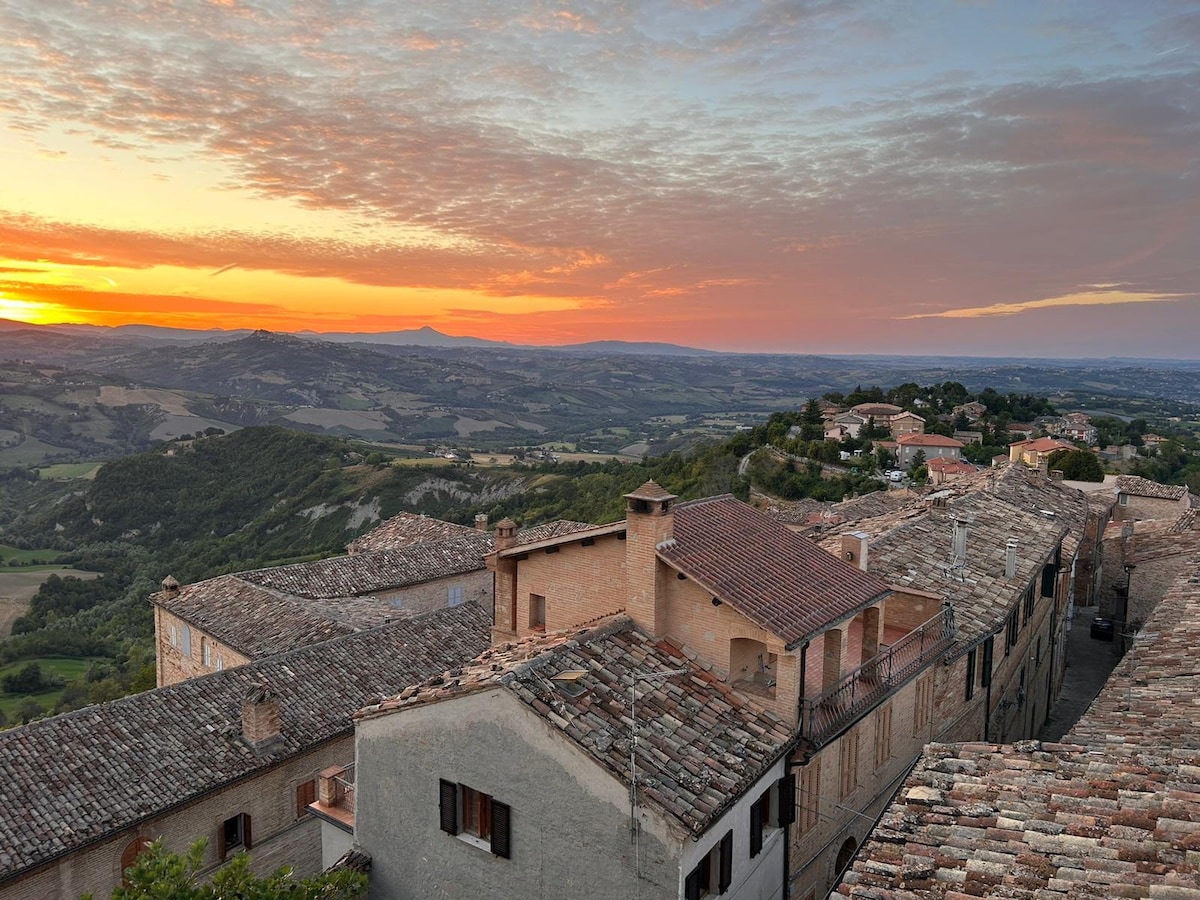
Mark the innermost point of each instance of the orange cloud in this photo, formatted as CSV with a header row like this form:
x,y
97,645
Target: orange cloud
x,y
1105,297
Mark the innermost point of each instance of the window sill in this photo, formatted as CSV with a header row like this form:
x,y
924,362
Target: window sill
x,y
474,841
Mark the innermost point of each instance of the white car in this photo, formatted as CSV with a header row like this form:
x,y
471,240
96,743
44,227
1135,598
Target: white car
x,y
895,475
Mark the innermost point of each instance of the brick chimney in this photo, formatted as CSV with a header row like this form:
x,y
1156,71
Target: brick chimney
x,y
260,717
649,521
481,522
506,533
854,548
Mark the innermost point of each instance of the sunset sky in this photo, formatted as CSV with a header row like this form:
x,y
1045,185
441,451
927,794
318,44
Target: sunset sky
x,y
995,178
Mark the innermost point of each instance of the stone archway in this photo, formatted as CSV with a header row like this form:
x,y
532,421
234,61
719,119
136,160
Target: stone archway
x,y
845,854
129,855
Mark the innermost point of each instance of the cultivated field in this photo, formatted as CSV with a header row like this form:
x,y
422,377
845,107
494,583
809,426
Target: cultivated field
x,y
17,587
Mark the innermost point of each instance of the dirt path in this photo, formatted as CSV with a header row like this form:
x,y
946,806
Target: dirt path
x,y
17,587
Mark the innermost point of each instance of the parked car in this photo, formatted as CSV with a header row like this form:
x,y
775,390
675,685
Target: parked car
x,y
1102,628
895,475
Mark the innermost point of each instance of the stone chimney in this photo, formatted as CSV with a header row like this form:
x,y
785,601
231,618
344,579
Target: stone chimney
x,y
506,533
1010,559
170,587
1044,466
1056,475
481,522
260,717
854,548
649,521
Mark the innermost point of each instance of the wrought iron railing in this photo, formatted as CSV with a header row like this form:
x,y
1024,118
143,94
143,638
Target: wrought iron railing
x,y
825,715
345,788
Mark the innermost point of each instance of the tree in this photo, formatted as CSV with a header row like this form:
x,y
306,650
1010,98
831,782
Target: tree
x,y
1077,465
812,427
159,874
918,461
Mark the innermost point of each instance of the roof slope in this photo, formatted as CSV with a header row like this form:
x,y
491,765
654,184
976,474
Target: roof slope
x,y
404,529
1144,487
773,576
83,775
700,743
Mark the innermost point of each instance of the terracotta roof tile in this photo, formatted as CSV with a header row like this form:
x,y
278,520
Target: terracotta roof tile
x,y
773,576
1144,487
700,744
928,440
404,529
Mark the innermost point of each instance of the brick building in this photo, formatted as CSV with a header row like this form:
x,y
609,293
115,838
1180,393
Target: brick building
x,y
1141,498
232,757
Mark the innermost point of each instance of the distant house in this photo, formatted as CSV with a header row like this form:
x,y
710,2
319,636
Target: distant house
x,y
974,411
852,422
906,423
837,432
1034,453
934,446
942,469
969,437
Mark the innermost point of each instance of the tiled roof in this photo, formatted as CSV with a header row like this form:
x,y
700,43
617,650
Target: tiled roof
x,y
251,619
364,573
927,440
1152,699
404,529
700,743
80,776
876,409
651,490
268,611
771,575
1144,487
1036,822
913,547
951,466
1043,445
1114,813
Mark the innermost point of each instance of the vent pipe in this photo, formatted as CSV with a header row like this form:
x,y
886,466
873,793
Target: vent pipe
x,y
959,542
1010,559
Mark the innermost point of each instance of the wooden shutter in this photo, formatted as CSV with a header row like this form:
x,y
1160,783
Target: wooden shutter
x,y
501,830
691,885
449,806
726,877
249,842
306,793
756,827
222,850
787,800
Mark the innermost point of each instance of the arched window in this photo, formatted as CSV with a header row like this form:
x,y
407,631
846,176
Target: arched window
x,y
846,854
174,636
206,651
187,641
132,851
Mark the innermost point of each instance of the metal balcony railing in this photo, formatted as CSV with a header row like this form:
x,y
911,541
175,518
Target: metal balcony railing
x,y
842,703
345,788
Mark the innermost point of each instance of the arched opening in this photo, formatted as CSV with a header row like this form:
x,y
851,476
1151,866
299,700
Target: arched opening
x,y
129,856
846,854
752,667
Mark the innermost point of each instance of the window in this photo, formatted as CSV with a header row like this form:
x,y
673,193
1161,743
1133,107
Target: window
x,y
713,874
537,611
476,817
220,662
1030,601
187,640
848,753
883,736
1014,628
1049,576
989,649
306,793
454,595
206,651
174,636
923,705
1123,499
234,834
129,857
970,674
810,796
775,809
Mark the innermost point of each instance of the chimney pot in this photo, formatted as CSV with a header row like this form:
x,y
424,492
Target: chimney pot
x,y
1010,559
506,533
481,522
170,585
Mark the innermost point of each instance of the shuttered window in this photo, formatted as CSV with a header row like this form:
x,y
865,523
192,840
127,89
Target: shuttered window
x,y
713,874
787,800
464,810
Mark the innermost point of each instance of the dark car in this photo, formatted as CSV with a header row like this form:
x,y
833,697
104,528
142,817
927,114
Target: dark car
x,y
1102,628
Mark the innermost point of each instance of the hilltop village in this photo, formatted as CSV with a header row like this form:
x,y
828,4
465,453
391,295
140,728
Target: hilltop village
x,y
702,699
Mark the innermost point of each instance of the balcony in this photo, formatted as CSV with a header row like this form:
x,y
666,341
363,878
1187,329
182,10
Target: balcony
x,y
335,797
828,713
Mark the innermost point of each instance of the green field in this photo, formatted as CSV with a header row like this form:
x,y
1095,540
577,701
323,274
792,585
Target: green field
x,y
67,668
26,557
69,470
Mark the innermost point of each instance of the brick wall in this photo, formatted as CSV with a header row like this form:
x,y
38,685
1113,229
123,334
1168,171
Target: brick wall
x,y
1136,507
430,595
278,837
173,665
